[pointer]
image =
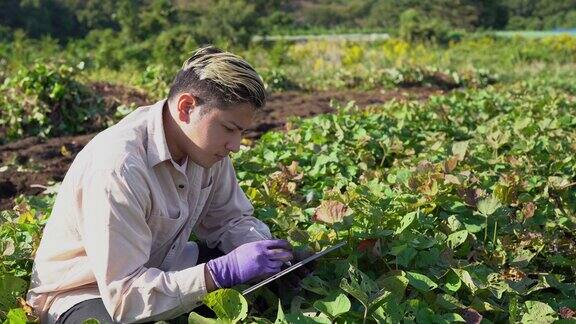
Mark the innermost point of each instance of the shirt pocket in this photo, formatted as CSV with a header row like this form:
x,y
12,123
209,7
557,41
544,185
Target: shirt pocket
x,y
163,228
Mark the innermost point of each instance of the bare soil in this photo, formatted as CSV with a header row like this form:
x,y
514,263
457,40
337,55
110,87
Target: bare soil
x,y
27,166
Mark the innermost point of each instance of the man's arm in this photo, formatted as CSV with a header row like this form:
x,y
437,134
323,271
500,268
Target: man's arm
x,y
118,242
228,222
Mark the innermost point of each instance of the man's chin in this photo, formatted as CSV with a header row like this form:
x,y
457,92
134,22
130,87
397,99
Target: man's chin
x,y
208,163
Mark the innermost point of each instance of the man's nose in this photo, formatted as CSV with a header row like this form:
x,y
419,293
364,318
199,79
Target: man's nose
x,y
234,145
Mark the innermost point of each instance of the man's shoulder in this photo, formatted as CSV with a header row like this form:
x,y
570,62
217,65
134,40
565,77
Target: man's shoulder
x,y
119,146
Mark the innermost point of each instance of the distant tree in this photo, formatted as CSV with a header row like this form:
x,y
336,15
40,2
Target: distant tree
x,y
228,21
40,18
157,16
126,16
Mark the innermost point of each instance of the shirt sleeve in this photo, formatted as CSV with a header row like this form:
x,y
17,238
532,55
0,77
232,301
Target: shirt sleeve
x,y
229,223
118,242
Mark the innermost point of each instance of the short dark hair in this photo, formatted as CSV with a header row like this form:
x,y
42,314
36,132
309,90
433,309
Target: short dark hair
x,y
219,78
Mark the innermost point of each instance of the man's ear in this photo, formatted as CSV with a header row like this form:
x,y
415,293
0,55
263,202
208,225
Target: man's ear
x,y
185,105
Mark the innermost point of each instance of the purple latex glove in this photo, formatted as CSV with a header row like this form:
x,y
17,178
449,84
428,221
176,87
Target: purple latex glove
x,y
250,261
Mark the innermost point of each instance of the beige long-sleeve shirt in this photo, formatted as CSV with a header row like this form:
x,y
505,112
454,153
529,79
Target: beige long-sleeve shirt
x,y
121,223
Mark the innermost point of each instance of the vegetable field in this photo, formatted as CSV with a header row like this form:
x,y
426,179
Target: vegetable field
x,y
459,206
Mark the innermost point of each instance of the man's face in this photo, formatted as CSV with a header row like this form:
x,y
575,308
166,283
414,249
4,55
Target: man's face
x,y
210,136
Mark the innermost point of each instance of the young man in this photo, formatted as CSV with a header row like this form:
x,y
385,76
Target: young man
x,y
116,245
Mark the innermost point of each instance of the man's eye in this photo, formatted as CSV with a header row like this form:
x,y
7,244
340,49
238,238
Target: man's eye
x,y
228,128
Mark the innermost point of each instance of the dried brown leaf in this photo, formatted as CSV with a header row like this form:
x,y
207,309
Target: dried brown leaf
x,y
330,212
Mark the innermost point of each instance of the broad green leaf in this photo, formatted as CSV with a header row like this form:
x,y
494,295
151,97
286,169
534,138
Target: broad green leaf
x,y
16,316
10,288
457,238
315,285
299,235
361,287
466,279
227,304
448,302
453,318
395,284
404,254
453,282
355,290
538,312
194,318
421,282
488,206
453,223
405,222
303,319
333,305
378,299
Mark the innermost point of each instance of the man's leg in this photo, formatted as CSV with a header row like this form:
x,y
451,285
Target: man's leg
x,y
92,308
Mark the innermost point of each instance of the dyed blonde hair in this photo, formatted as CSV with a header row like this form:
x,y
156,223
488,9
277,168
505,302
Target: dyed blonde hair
x,y
219,78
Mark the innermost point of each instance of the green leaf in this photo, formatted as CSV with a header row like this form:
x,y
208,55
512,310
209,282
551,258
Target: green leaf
x,y
280,317
11,287
421,282
194,318
466,279
354,290
227,304
538,312
299,235
488,206
457,238
316,285
448,302
91,321
405,222
333,305
453,317
16,316
303,319
395,284
361,287
453,282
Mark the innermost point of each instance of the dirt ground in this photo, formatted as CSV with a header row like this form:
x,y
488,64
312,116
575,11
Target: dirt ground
x,y
29,165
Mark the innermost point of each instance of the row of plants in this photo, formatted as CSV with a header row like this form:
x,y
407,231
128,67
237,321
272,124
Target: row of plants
x,y
310,65
53,100
458,209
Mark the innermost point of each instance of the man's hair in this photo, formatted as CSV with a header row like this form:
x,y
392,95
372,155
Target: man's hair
x,y
219,79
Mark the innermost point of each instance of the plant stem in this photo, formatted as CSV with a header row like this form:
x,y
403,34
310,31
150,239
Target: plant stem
x,y
495,229
486,230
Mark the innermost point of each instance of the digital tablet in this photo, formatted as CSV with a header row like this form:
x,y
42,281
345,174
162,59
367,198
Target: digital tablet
x,y
293,267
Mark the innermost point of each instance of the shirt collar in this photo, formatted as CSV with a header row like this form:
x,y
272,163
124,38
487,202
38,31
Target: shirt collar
x,y
157,147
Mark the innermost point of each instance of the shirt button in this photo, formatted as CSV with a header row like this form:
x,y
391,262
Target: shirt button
x,y
181,186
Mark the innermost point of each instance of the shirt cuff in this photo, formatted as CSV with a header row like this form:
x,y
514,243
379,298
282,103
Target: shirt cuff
x,y
213,278
192,286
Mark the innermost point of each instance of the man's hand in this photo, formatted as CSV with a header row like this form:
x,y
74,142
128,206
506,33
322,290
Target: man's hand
x,y
250,261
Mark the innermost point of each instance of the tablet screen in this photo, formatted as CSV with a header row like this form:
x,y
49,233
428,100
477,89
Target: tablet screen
x,y
293,267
